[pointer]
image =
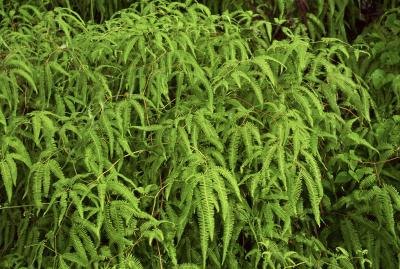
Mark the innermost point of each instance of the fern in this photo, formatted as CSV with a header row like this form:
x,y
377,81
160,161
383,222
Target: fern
x,y
206,214
313,194
175,134
7,178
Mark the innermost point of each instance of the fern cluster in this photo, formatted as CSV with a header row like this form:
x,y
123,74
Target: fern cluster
x,y
172,137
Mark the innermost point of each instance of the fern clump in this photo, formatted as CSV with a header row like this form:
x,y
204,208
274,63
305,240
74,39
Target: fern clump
x,y
169,136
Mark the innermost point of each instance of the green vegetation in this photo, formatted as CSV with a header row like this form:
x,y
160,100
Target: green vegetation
x,y
220,134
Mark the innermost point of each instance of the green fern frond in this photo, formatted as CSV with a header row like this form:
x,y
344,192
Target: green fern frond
x,y
7,179
120,189
351,236
313,193
78,246
220,189
233,149
46,179
230,177
294,190
132,262
387,209
312,163
228,231
247,140
37,191
205,212
106,124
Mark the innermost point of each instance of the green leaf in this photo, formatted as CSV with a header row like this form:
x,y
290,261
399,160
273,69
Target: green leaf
x,y
27,77
263,64
6,178
355,137
150,128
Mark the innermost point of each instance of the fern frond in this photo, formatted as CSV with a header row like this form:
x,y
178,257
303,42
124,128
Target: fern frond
x,y
350,235
313,193
120,189
247,140
7,179
315,172
387,209
294,191
37,191
75,258
133,262
227,236
106,124
12,168
205,212
78,245
230,177
46,179
233,150
282,165
220,189
87,242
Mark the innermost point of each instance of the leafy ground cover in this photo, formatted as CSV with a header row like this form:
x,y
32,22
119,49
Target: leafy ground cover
x,y
170,135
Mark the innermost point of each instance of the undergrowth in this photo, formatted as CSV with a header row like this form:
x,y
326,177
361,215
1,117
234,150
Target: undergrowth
x,y
172,137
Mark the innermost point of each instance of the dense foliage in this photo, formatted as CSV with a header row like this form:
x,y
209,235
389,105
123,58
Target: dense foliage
x,y
176,135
